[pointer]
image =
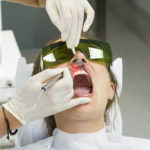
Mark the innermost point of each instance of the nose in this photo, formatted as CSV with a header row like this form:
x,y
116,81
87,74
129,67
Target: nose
x,y
79,59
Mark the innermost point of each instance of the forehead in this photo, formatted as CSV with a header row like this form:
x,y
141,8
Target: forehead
x,y
58,40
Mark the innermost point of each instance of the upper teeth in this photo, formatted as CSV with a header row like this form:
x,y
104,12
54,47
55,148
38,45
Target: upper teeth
x,y
80,72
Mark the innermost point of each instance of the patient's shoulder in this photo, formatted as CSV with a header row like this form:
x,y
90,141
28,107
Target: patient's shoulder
x,y
40,145
137,142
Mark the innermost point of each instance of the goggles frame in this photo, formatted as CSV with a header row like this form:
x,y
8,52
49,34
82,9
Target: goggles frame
x,y
60,51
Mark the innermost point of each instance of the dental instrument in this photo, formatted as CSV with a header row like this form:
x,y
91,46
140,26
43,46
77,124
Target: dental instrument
x,y
43,89
73,50
76,65
53,81
79,63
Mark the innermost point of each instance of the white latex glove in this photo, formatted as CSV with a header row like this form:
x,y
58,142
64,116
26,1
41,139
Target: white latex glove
x,y
68,17
54,100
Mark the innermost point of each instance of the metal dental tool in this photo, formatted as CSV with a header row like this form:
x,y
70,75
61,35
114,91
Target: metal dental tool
x,y
73,50
43,89
78,62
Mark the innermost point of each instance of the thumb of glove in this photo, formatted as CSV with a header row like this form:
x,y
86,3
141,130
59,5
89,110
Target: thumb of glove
x,y
78,101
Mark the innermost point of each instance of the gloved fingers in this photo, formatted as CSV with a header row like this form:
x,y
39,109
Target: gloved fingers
x,y
78,101
47,74
90,16
80,24
67,75
53,13
71,39
67,18
66,82
10,107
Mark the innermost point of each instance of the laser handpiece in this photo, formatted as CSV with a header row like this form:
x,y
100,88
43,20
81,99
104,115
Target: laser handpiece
x,y
52,81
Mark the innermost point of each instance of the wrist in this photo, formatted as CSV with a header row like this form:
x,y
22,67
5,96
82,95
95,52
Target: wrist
x,y
14,123
42,3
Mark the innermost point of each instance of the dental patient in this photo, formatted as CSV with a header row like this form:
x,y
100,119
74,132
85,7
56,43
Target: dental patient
x,y
83,127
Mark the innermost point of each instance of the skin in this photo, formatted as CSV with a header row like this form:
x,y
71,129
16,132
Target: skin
x,y
89,117
33,3
14,123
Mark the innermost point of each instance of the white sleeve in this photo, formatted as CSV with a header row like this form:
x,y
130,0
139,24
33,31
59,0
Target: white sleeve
x,y
35,132
41,145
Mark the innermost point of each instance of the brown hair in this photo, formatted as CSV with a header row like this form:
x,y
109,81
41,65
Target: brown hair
x,y
50,121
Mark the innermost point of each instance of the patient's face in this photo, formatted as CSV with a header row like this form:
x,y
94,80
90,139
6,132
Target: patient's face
x,y
92,80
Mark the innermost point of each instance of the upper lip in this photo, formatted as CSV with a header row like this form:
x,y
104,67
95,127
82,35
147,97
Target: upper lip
x,y
81,68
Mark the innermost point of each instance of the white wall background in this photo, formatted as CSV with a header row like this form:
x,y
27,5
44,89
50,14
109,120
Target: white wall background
x,y
135,51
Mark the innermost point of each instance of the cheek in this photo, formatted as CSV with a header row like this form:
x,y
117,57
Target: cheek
x,y
103,83
102,80
101,87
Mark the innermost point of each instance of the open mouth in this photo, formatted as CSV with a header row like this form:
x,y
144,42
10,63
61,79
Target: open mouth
x,y
82,84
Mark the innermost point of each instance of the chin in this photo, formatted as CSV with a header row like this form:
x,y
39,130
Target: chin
x,y
81,112
84,109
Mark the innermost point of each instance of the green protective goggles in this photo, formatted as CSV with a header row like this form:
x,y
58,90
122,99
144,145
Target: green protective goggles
x,y
58,53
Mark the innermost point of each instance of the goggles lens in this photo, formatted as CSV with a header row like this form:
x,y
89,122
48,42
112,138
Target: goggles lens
x,y
58,53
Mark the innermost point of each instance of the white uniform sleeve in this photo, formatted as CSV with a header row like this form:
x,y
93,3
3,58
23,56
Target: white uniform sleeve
x,y
35,132
41,145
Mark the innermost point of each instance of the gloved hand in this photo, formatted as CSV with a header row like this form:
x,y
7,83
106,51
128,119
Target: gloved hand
x,y
54,100
68,17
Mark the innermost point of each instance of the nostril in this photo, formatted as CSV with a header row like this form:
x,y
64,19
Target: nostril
x,y
75,60
83,60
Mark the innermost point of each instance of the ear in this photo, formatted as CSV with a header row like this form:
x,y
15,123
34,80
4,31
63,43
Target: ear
x,y
111,91
117,69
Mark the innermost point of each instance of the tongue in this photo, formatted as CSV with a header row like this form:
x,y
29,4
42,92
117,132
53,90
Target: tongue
x,y
81,91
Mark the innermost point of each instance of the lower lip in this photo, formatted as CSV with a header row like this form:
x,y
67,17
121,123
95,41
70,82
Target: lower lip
x,y
76,95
